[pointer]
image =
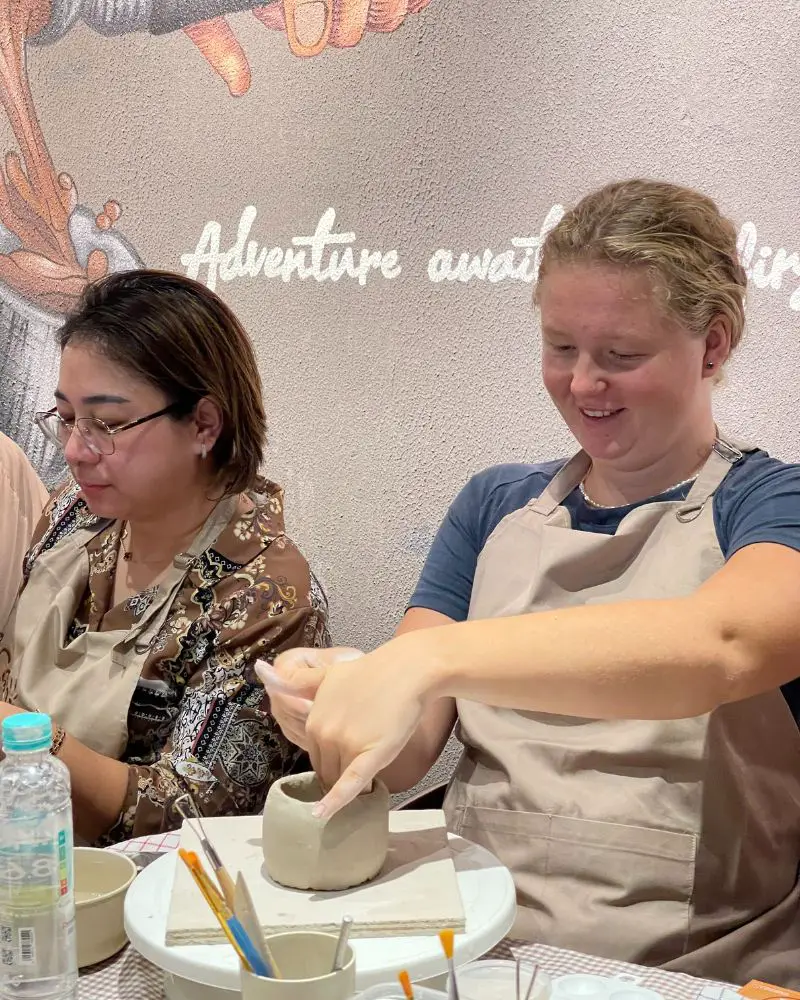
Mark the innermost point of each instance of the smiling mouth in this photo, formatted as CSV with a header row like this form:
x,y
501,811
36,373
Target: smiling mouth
x,y
599,414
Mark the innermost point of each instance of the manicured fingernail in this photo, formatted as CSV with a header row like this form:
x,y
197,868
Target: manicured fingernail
x,y
319,811
272,679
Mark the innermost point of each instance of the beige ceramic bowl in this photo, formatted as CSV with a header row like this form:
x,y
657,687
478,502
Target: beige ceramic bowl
x,y
101,882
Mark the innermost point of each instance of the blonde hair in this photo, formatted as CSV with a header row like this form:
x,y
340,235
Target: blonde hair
x,y
676,234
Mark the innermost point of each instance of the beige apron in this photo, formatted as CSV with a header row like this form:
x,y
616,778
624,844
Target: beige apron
x,y
86,685
670,843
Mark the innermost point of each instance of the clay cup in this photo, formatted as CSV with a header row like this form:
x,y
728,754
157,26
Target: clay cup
x,y
303,852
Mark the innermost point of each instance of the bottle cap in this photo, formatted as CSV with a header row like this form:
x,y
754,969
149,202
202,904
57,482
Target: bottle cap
x,y
27,731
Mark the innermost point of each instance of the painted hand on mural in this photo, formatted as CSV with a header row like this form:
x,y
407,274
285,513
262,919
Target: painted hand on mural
x,y
311,26
40,220
51,246
36,202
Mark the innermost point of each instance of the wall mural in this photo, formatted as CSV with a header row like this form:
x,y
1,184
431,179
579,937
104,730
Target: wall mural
x,y
51,245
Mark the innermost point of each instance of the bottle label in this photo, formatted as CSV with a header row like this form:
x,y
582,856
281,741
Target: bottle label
x,y
64,865
26,945
37,904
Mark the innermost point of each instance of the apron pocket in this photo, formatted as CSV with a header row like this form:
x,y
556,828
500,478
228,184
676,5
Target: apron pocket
x,y
608,889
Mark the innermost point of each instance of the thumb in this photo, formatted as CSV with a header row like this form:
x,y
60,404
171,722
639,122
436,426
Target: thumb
x,y
297,672
355,779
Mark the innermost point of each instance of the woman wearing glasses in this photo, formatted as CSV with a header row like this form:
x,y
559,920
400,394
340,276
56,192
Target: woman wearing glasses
x,y
162,573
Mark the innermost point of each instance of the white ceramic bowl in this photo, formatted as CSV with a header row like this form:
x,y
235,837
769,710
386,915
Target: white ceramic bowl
x,y
102,879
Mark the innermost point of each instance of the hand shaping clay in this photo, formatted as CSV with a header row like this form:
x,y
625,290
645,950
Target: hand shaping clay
x,y
323,855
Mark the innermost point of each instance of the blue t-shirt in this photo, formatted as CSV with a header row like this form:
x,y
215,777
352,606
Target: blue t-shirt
x,y
758,501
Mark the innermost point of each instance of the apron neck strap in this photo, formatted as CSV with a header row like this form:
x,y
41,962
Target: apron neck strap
x,y
562,484
725,453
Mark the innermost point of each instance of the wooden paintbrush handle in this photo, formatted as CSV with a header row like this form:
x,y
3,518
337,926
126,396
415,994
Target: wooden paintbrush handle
x,y
228,888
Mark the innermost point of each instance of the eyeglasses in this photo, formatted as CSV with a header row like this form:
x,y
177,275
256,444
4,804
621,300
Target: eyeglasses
x,y
98,436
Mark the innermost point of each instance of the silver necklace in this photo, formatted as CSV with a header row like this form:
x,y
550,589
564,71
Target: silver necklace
x,y
611,506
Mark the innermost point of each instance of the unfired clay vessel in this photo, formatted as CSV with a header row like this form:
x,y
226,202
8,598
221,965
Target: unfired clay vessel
x,y
307,853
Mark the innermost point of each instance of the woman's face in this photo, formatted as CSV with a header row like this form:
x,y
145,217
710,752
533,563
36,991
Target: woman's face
x,y
153,465
628,381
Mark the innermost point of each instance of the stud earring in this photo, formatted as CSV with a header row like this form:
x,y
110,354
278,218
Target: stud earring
x,y
709,364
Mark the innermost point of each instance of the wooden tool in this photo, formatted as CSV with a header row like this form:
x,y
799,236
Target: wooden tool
x,y
224,879
246,912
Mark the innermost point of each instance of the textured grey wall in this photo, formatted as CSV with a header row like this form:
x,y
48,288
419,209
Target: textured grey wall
x,y
459,131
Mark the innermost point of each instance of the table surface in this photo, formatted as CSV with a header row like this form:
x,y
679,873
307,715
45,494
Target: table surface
x,y
128,976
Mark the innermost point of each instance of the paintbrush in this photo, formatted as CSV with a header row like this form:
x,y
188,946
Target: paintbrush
x,y
341,944
446,937
246,912
231,926
405,982
224,879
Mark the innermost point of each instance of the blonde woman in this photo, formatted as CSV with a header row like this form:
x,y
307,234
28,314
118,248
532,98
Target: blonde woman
x,y
615,629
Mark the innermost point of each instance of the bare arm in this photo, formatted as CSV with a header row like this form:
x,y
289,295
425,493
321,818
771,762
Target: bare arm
x,y
99,788
99,784
422,750
735,637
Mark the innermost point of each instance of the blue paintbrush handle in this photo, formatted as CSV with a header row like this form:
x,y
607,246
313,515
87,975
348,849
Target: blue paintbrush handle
x,y
256,962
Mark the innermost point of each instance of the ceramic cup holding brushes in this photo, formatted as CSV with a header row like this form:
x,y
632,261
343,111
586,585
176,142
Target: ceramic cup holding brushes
x,y
306,961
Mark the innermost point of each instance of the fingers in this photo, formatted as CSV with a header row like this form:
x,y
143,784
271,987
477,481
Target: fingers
x,y
298,680
311,25
299,672
54,286
68,193
386,15
270,17
349,22
223,53
291,714
308,25
325,763
355,779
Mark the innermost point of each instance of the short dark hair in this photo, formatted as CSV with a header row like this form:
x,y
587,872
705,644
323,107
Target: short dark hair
x,y
180,337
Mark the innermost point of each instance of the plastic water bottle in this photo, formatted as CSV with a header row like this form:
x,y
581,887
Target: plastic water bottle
x,y
38,958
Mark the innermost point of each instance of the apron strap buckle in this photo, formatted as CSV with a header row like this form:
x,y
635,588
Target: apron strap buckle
x,y
727,451
690,511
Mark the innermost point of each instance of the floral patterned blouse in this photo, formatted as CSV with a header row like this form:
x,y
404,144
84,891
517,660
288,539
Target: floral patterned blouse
x,y
199,720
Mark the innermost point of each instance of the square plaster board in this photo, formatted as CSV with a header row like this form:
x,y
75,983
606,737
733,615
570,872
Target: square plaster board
x,y
416,892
